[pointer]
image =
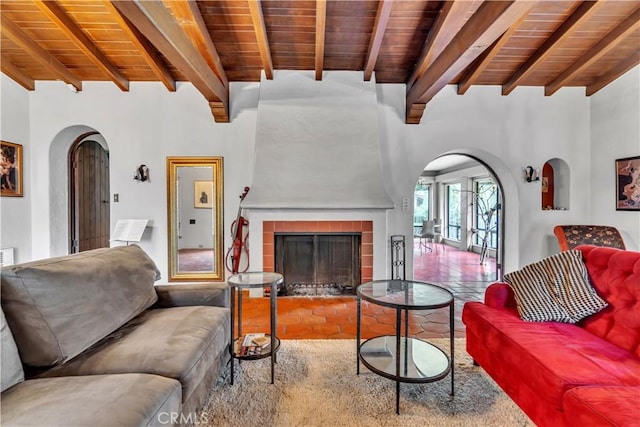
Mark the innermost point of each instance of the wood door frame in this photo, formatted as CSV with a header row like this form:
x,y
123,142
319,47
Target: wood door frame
x,y
73,209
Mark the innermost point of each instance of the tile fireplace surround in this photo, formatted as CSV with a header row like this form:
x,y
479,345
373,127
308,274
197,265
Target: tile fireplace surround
x,y
269,228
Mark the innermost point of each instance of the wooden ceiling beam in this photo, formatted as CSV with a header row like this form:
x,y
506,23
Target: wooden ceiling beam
x,y
450,18
157,24
257,18
191,21
145,48
16,74
476,69
564,31
23,40
80,39
624,66
379,28
489,22
605,45
321,23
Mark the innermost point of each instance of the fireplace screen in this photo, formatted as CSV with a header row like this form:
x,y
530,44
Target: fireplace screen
x,y
318,264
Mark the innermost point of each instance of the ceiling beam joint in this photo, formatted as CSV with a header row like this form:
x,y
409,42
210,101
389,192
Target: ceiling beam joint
x,y
15,33
321,22
65,23
601,48
159,26
379,28
255,8
583,12
486,25
145,48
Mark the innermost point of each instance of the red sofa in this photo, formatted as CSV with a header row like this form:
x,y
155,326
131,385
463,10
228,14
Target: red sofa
x,y
560,374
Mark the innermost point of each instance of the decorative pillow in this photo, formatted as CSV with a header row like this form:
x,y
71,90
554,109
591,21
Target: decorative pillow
x,y
556,289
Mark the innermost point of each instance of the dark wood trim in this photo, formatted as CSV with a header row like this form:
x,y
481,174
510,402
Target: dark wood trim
x,y
72,173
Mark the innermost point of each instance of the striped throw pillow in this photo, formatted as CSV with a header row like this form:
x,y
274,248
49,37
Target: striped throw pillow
x,y
556,289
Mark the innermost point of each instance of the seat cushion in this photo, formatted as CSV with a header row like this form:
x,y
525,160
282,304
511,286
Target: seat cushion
x,y
59,307
10,364
547,356
181,343
602,406
97,400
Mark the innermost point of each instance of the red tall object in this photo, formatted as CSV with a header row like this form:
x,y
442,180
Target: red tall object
x,y
237,258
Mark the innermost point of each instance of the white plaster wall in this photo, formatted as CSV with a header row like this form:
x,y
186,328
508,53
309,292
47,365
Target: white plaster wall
x,y
615,133
15,231
506,132
142,126
148,123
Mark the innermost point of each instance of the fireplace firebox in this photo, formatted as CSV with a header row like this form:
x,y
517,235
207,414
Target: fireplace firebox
x,y
318,263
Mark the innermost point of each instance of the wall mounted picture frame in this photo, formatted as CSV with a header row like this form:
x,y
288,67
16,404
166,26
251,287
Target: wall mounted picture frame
x,y
203,194
628,184
10,169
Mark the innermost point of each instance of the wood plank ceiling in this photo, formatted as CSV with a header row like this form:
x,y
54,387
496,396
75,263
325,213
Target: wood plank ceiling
x,y
423,44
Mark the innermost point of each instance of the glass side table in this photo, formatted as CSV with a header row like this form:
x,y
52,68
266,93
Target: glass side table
x,y
256,279
400,357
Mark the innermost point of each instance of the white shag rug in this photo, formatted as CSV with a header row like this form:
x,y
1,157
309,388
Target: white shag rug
x,y
316,385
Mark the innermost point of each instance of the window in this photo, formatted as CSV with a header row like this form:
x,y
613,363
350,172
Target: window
x,y
421,198
485,212
453,211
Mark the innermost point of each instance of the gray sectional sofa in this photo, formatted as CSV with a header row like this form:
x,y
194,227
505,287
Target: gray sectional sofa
x,y
89,340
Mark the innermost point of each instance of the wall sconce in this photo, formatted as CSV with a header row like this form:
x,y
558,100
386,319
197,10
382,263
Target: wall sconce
x,y
142,173
531,174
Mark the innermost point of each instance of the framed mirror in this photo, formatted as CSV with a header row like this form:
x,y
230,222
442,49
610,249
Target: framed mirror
x,y
195,216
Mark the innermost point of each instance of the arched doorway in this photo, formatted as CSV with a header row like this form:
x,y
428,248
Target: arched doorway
x,y
59,203
464,196
89,217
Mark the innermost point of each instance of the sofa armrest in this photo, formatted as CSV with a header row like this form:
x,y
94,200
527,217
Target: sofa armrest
x,y
499,295
212,294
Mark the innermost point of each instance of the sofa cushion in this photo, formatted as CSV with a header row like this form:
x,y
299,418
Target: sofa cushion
x,y
59,307
556,288
181,343
97,400
602,406
10,364
550,357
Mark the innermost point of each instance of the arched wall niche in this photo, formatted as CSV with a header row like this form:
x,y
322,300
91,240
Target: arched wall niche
x,y
555,185
59,183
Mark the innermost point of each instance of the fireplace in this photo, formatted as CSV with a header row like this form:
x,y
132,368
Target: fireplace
x,y
318,263
347,245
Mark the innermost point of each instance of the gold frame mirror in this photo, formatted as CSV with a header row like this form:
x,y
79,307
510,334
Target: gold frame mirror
x,y
195,217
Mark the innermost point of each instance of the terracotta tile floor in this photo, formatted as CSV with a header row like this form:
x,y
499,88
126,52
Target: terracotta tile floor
x,y
335,317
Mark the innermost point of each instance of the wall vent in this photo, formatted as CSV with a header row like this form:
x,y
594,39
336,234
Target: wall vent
x,y
6,257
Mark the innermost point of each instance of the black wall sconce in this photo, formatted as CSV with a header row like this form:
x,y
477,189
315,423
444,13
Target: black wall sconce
x,y
142,173
531,174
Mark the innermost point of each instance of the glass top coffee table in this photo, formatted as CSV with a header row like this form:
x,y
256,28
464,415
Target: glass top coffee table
x,y
400,357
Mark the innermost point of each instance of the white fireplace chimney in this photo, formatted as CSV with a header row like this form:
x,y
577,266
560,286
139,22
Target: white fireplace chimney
x,y
317,144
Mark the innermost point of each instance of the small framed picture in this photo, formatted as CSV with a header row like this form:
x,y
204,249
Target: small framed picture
x,y
203,192
11,169
628,184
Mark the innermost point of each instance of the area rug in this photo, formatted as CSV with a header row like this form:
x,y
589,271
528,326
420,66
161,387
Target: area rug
x,y
316,385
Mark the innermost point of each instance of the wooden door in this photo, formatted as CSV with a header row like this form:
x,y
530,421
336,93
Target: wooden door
x,y
89,195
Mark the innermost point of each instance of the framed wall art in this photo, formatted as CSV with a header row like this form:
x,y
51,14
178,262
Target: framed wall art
x,y
11,169
203,191
628,184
